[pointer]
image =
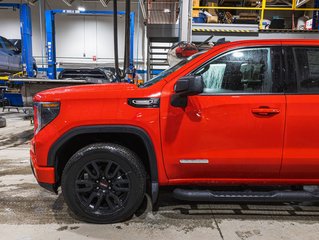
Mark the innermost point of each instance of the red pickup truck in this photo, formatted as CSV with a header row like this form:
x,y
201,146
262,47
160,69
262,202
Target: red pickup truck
x,y
244,113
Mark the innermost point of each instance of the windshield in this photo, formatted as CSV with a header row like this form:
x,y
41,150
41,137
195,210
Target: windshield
x,y
9,46
168,71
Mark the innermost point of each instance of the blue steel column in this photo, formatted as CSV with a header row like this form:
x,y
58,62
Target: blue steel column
x,y
132,26
50,34
26,36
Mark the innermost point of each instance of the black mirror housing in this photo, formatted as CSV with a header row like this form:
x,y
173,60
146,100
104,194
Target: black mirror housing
x,y
189,85
184,87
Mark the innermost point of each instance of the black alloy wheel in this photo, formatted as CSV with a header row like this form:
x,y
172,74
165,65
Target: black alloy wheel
x,y
104,183
102,186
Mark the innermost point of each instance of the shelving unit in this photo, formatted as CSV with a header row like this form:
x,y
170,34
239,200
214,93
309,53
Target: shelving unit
x,y
296,5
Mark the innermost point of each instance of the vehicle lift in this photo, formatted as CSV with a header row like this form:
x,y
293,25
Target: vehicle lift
x,y
26,34
31,86
129,35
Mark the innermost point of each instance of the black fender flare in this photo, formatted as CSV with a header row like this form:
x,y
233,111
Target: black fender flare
x,y
52,162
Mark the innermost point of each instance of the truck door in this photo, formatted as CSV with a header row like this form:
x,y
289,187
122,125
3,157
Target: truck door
x,y
235,128
301,150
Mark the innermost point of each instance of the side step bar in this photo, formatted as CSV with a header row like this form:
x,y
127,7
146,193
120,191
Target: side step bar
x,y
245,196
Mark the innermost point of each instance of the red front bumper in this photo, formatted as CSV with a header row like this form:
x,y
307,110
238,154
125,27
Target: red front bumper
x,y
42,174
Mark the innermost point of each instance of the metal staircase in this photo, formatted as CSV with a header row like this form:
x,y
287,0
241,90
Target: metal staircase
x,y
157,61
162,32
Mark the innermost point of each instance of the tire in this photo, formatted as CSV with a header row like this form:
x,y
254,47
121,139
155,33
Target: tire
x,y
35,70
3,122
104,183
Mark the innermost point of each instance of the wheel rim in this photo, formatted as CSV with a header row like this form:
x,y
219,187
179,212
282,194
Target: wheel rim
x,y
102,186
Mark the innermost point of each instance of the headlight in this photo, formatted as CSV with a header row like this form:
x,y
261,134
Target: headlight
x,y
44,113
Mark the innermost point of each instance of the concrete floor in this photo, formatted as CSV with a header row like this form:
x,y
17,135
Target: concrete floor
x,y
29,212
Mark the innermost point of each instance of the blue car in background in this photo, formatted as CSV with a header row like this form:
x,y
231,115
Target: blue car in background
x,y
10,57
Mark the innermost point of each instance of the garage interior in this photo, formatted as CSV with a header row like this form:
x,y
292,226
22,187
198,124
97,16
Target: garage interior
x,y
46,44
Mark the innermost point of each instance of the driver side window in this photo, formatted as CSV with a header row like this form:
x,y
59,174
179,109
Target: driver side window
x,y
238,71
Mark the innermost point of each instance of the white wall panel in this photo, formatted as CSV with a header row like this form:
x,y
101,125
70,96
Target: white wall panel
x,y
90,34
9,24
105,41
77,35
69,35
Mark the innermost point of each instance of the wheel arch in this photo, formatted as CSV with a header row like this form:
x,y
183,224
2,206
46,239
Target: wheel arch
x,y
53,161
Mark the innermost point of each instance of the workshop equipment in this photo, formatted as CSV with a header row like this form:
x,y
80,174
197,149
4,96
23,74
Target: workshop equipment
x,y
129,39
26,34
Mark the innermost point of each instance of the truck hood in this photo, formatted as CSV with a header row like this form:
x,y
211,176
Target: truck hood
x,y
89,91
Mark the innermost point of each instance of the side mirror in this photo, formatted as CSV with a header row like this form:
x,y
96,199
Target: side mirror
x,y
184,87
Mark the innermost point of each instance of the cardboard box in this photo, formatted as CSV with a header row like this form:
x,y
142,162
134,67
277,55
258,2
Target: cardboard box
x,y
195,13
212,19
212,11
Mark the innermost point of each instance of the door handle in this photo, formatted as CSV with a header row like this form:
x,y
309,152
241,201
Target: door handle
x,y
265,111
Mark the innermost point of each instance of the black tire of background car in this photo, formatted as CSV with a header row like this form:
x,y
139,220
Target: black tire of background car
x,y
98,152
3,122
35,70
